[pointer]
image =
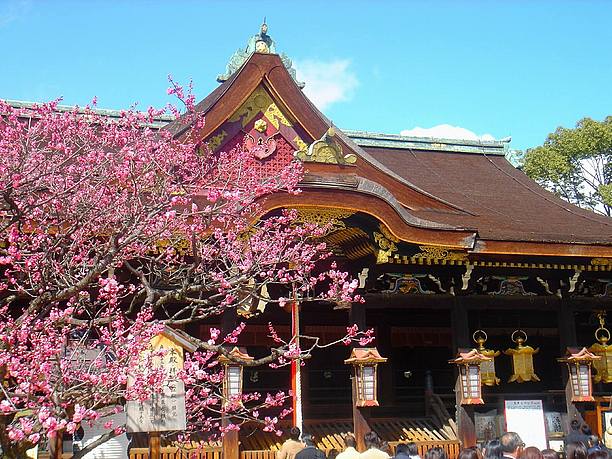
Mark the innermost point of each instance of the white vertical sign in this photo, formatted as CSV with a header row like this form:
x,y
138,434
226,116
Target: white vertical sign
x,y
526,418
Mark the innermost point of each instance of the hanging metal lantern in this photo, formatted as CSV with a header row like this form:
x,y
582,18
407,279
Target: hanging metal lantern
x,y
487,367
365,362
469,382
522,359
579,363
603,366
233,374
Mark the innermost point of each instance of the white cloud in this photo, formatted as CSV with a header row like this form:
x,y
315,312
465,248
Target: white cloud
x,y
327,82
446,131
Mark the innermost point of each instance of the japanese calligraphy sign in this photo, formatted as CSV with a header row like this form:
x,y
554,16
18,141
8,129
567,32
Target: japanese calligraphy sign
x,y
165,409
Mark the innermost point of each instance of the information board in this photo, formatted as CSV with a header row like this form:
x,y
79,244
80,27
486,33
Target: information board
x,y
164,410
526,418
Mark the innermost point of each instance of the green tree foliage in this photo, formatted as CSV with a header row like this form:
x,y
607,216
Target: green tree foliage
x,y
576,164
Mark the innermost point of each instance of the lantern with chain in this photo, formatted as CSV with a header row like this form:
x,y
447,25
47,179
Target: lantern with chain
x,y
522,358
487,367
603,366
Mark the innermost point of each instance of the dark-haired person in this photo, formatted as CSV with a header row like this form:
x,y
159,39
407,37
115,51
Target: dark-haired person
x,y
373,444
470,453
575,434
349,452
550,454
413,450
576,450
291,446
493,450
531,452
599,454
436,453
512,445
310,451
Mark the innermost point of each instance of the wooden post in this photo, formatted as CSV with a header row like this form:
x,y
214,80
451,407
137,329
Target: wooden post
x,y
231,444
357,315
154,445
56,446
466,430
360,423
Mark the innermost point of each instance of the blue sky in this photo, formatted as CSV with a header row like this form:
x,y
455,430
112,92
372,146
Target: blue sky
x,y
518,68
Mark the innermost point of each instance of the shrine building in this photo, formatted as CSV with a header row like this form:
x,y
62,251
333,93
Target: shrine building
x,y
459,255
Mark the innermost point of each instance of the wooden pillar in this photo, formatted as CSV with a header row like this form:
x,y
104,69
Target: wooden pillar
x,y
154,445
357,315
56,446
461,339
231,444
360,422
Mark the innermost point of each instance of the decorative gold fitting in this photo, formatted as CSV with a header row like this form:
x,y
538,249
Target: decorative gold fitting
x,y
518,339
480,337
604,337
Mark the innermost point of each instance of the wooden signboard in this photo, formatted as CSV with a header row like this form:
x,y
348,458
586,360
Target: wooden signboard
x,y
164,410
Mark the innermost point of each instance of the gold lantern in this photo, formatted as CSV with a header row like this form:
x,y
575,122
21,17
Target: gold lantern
x,y
365,362
487,367
233,374
579,369
469,382
522,359
603,366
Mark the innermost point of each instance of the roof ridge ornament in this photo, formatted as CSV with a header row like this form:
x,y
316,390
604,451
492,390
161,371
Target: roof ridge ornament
x,y
259,43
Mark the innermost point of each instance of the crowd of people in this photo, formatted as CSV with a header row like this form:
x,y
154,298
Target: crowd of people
x,y
580,444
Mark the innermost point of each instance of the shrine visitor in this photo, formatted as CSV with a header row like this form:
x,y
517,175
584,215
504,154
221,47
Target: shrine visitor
x,y
575,435
493,450
373,444
407,451
436,453
531,452
310,451
550,454
349,452
576,450
291,446
413,450
599,454
512,445
470,453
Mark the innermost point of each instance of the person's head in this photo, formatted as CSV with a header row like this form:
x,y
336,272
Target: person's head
x,y
350,441
599,454
511,443
294,433
413,450
402,448
575,450
550,454
332,454
436,453
531,452
371,440
585,429
307,439
575,424
493,450
469,453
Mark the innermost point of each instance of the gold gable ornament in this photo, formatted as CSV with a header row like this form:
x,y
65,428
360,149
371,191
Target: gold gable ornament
x,y
487,367
522,359
326,150
603,366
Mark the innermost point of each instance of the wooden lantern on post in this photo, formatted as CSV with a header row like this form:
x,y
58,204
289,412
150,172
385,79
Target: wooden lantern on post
x,y
233,374
469,383
603,365
365,362
487,367
522,359
579,363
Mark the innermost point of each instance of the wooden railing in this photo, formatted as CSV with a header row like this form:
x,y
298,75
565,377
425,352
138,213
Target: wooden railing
x,y
172,452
